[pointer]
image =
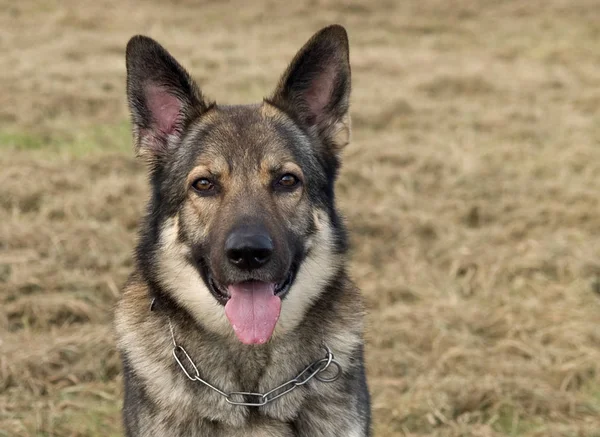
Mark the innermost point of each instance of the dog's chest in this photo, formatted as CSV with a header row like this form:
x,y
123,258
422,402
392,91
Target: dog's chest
x,y
266,381
193,400
262,427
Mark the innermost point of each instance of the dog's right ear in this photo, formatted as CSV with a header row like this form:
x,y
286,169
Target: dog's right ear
x,y
162,96
315,88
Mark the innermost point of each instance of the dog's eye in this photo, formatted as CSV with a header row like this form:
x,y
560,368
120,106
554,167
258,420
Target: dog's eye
x,y
203,185
288,181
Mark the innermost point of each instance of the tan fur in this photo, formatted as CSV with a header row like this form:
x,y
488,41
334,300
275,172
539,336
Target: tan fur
x,y
269,111
316,270
189,289
341,133
145,337
183,281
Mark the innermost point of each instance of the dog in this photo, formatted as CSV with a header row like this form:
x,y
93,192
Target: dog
x,y
240,318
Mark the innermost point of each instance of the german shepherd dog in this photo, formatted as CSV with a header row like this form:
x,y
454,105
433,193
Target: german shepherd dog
x,y
240,318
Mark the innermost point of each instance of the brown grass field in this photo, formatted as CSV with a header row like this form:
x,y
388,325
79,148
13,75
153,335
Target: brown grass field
x,y
471,188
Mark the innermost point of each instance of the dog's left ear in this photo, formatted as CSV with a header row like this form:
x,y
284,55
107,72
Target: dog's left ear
x,y
315,89
163,98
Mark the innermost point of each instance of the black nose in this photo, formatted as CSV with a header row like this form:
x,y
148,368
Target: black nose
x,y
249,248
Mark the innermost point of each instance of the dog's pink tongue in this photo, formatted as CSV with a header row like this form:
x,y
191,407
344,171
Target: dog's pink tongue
x,y
253,310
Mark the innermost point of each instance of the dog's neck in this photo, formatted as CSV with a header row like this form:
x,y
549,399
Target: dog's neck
x,y
225,362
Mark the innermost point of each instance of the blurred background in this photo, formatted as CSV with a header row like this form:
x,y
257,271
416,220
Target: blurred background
x,y
471,190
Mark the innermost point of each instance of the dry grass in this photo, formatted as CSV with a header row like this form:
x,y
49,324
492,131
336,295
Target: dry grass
x,y
471,189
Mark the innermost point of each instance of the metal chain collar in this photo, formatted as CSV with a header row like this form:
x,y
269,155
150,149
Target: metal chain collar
x,y
250,399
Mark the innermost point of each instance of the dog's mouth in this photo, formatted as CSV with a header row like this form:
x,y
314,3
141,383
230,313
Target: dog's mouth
x,y
252,306
222,293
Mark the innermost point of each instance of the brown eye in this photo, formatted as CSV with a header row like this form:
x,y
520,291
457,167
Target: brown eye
x,y
203,185
288,181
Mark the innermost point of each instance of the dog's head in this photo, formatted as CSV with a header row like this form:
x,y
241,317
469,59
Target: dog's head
x,y
242,213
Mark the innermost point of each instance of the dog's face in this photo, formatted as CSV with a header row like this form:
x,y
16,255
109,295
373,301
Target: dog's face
x,y
242,226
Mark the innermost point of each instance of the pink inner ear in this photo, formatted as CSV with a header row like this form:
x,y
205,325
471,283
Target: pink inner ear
x,y
318,94
164,107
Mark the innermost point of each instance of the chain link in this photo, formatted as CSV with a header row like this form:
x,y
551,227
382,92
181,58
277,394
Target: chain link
x,y
251,399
